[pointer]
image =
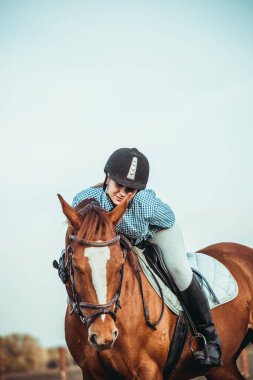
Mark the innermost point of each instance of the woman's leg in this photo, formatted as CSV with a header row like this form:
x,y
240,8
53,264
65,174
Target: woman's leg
x,y
172,245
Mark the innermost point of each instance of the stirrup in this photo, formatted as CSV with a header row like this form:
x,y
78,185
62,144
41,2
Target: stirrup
x,y
199,350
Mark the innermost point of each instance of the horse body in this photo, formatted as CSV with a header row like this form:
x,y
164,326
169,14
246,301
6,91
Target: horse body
x,y
129,349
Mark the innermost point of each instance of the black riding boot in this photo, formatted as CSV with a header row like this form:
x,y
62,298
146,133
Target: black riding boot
x,y
195,301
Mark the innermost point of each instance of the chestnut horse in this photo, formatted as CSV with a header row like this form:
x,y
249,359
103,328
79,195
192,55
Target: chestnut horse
x,y
126,348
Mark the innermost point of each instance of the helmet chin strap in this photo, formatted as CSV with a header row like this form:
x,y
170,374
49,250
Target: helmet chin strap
x,y
105,181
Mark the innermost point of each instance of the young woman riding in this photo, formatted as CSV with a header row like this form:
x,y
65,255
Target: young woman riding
x,y
148,218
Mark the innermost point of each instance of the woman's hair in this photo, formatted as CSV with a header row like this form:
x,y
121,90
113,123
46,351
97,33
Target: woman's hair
x,y
98,185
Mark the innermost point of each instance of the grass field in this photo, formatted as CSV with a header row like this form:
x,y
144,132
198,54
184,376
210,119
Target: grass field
x,y
74,373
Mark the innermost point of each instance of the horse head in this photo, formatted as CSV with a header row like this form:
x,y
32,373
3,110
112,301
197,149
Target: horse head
x,y
94,261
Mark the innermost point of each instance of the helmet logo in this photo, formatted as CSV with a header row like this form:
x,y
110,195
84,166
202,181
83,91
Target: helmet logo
x,y
133,168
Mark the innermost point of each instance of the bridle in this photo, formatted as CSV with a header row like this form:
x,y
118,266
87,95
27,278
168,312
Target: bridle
x,y
77,304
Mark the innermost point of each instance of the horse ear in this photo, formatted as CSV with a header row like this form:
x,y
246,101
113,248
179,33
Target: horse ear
x,y
119,210
69,212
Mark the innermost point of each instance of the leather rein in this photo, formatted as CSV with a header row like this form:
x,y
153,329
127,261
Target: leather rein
x,y
100,309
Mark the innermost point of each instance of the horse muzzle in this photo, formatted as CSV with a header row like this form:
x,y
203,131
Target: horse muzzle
x,y
102,340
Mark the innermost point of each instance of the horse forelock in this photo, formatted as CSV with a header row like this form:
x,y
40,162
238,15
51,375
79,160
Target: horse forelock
x,y
95,223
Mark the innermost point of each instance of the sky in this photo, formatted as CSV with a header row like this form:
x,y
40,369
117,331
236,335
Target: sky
x,y
80,79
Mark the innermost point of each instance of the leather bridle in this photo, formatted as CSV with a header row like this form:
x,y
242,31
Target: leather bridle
x,y
77,304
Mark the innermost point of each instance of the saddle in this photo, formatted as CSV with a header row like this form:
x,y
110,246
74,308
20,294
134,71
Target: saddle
x,y
217,281
154,257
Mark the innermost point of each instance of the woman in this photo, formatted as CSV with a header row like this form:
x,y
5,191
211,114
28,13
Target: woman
x,y
148,218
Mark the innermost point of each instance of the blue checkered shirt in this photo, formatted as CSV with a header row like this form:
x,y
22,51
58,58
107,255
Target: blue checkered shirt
x,y
146,215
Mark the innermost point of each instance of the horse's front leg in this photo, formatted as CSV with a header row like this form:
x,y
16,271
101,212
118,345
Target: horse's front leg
x,y
148,370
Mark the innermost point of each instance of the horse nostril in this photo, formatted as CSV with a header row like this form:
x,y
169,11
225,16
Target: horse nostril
x,y
93,338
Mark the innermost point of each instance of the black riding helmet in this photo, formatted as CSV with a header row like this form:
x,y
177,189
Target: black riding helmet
x,y
128,167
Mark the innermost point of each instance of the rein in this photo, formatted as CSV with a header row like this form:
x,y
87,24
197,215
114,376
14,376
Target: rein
x,y
77,304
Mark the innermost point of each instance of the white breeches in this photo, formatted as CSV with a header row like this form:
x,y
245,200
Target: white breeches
x,y
171,243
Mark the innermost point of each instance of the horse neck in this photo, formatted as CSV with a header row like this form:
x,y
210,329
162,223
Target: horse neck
x,y
131,317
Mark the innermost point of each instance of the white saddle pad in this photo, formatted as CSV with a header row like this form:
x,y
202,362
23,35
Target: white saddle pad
x,y
218,276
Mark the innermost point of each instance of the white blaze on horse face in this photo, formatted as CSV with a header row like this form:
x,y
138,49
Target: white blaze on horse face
x,y
98,257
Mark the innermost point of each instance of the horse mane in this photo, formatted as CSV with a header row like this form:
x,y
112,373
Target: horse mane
x,y
95,222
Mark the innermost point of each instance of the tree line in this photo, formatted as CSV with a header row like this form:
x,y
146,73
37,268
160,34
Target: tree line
x,y
23,353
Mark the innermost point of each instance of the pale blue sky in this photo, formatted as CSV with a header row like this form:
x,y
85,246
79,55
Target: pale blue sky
x,y
82,78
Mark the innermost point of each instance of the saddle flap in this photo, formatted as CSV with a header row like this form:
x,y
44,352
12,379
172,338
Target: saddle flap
x,y
154,257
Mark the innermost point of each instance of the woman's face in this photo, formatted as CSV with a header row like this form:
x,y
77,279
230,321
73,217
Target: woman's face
x,y
118,192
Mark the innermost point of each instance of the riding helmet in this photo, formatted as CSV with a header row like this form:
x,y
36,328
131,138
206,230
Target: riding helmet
x,y
128,167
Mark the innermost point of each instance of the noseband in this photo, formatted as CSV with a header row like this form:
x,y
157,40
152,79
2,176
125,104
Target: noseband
x,y
77,305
